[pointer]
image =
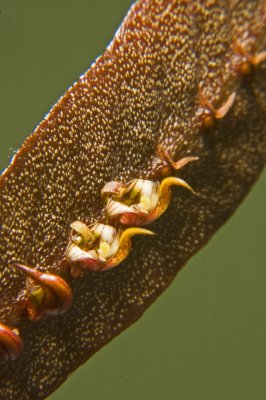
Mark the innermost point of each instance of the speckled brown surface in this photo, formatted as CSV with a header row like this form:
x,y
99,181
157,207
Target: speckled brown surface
x,y
144,90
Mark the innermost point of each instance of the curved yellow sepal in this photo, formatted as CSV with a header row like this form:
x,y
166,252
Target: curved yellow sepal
x,y
170,181
165,196
125,246
223,110
258,58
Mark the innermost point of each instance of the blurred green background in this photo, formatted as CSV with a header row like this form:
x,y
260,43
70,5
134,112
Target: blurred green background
x,y
204,339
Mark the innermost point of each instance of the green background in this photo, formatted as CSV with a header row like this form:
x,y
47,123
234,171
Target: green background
x,y
204,339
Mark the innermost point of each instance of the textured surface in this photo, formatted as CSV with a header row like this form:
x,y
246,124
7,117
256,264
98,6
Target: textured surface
x,y
169,110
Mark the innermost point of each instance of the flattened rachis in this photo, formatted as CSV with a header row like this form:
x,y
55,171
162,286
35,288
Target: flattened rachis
x,y
170,138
